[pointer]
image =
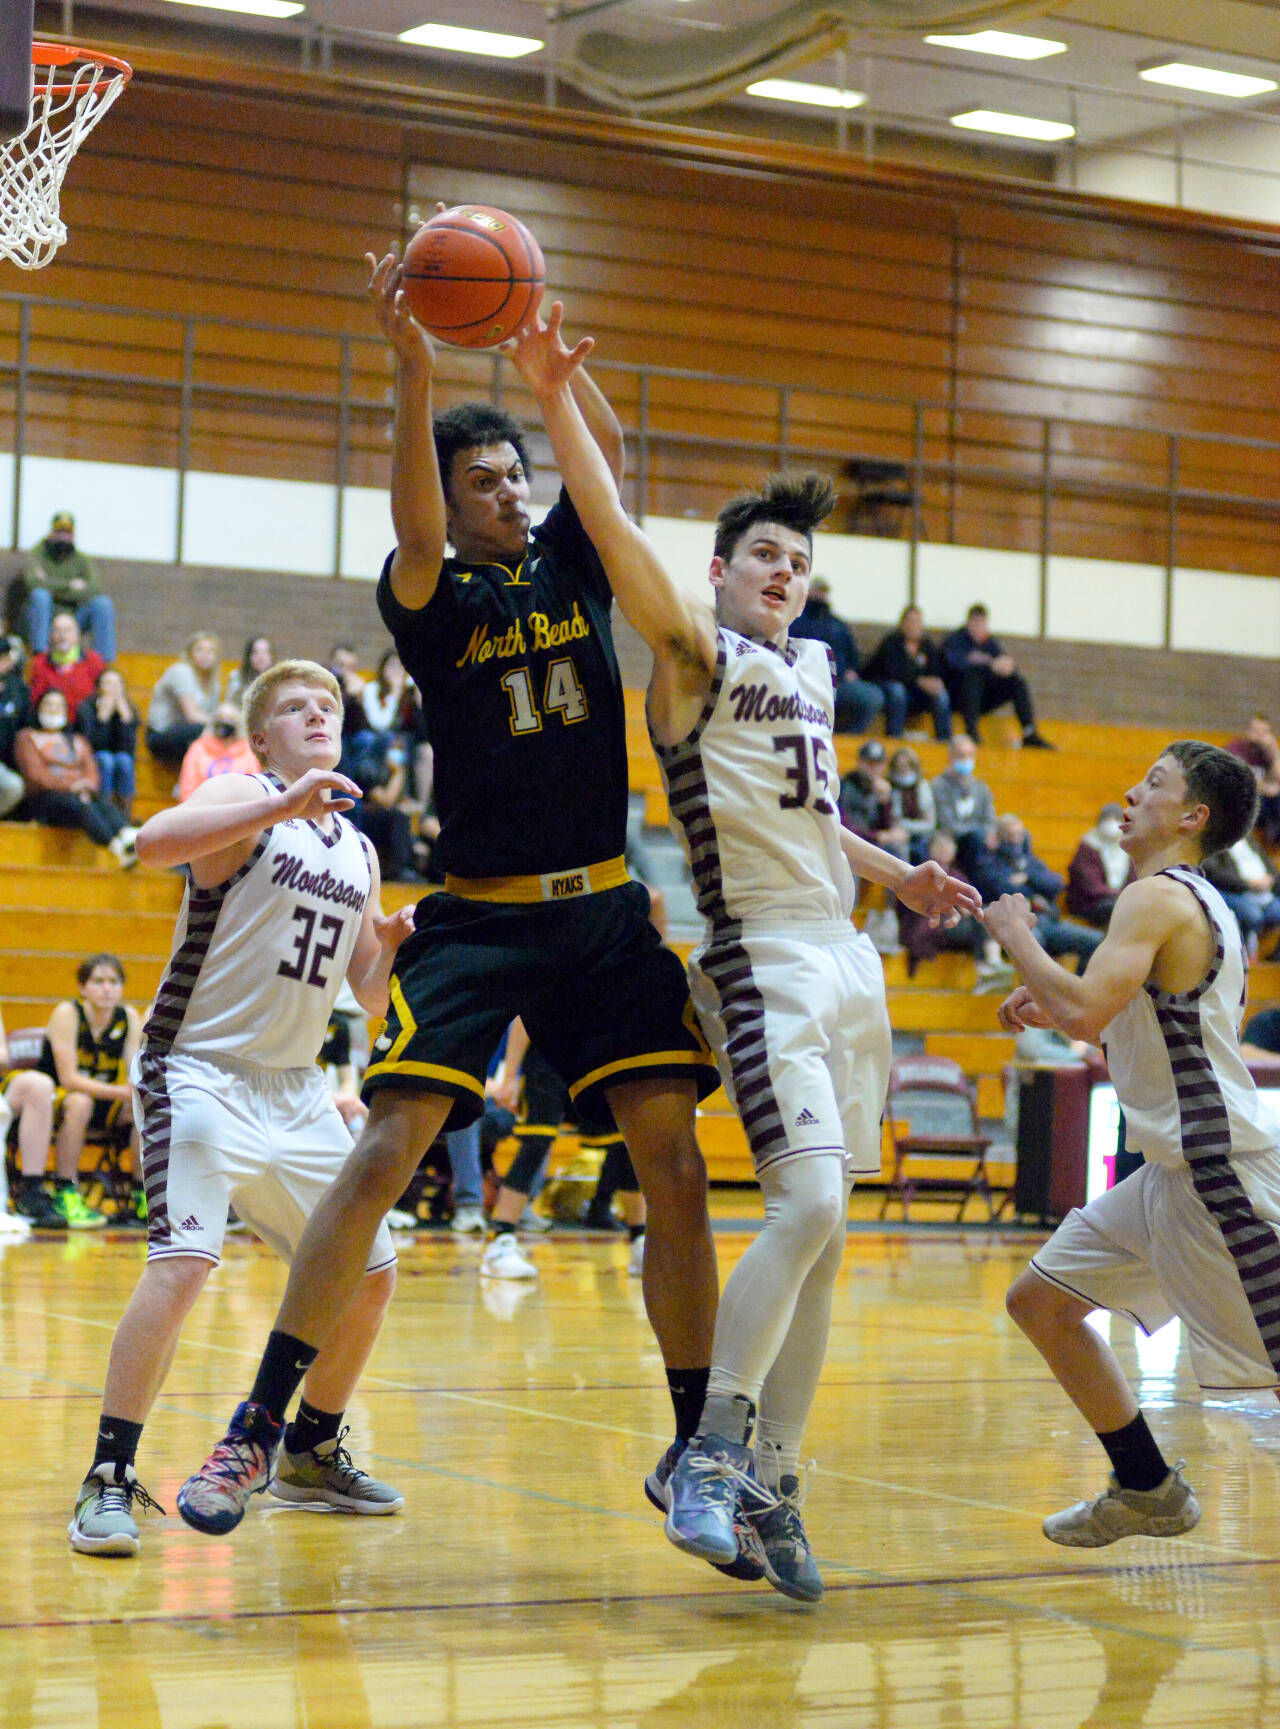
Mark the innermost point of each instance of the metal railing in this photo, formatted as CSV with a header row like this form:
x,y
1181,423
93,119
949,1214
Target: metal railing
x,y
777,443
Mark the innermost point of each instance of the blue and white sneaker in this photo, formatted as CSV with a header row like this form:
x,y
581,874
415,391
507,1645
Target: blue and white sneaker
x,y
749,1565
789,1565
708,1493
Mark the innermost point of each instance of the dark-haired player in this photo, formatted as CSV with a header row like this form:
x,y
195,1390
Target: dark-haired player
x,y
789,993
509,642
1193,1232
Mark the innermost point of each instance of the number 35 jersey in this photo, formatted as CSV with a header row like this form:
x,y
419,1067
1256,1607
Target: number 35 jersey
x,y
258,961
755,789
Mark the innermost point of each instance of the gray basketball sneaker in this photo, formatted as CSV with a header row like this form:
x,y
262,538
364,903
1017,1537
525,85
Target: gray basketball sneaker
x,y
328,1478
1166,1511
789,1565
103,1522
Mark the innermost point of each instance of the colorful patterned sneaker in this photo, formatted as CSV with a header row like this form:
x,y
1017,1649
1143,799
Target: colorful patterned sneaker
x,y
103,1522
713,1479
214,1500
749,1564
328,1478
789,1565
1165,1511
505,1259
74,1211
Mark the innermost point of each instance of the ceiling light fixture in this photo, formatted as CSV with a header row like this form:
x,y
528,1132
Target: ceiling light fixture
x,y
1013,125
1001,42
458,41
255,8
1207,79
817,95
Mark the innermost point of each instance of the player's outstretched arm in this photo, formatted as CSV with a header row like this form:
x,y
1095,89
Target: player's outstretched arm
x,y
374,953
417,496
228,813
926,888
1082,1004
653,603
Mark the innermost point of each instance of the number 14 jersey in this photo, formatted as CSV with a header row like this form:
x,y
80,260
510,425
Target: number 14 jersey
x,y
257,961
756,790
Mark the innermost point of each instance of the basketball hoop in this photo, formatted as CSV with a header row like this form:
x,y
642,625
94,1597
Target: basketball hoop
x,y
72,88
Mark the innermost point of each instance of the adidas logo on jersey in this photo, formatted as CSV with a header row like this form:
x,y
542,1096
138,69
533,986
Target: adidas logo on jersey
x,y
190,1223
806,1119
740,648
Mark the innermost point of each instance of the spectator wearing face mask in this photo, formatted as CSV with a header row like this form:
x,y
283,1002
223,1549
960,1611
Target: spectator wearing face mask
x,y
911,802
221,748
1099,869
962,803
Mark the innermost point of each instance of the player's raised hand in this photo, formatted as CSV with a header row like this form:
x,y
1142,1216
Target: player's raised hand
x,y
314,793
540,355
391,929
1020,1010
1007,915
943,899
411,343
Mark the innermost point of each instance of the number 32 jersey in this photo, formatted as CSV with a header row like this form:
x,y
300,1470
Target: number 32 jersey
x,y
258,961
755,789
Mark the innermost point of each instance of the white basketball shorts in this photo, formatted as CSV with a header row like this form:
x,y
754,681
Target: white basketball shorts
x,y
267,1141
1150,1249
800,1031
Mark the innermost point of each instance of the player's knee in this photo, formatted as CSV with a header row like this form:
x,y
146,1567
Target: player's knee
x,y
181,1278
379,1287
1033,1304
673,1176
77,1108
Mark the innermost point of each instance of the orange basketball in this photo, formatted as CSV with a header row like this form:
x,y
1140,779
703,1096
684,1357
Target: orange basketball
x,y
473,275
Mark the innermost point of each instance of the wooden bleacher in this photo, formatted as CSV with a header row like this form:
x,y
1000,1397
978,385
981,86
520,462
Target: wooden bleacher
x,y
61,898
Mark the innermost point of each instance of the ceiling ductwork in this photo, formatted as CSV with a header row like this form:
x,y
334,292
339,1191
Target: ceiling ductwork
x,y
652,78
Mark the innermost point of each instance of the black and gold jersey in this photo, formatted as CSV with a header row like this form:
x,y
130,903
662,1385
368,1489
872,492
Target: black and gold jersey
x,y
101,1058
522,702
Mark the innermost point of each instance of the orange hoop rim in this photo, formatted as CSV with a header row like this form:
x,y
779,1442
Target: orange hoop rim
x,y
63,54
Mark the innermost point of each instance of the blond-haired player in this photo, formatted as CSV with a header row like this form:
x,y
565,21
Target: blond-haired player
x,y
282,903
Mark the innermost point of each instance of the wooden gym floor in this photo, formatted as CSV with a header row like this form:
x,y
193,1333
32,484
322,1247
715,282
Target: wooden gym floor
x,y
528,1584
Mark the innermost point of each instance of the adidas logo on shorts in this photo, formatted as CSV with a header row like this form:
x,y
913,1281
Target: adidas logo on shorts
x,y
806,1119
190,1223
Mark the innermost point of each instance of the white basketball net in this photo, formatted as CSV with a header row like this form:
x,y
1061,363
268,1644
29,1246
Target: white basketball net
x,y
67,103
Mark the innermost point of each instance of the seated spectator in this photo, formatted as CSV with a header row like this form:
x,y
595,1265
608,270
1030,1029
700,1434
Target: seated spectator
x,y
1099,869
60,577
1008,866
1242,878
109,722
981,677
963,804
381,778
383,700
68,666
259,654
221,748
62,785
1259,748
15,708
908,669
866,801
924,940
28,1095
183,700
911,802
857,702
88,1047
343,666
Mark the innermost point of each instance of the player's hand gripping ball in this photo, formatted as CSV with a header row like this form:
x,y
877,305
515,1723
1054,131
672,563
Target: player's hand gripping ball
x,y
473,276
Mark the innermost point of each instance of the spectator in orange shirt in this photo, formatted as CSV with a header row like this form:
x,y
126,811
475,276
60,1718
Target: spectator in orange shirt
x,y
221,748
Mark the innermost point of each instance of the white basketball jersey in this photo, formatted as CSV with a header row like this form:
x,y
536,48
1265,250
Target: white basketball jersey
x,y
1175,1059
755,788
258,961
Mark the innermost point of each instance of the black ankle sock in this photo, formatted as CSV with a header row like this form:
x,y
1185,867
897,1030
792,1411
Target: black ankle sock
x,y
688,1389
1135,1458
503,1228
634,1231
117,1441
311,1428
284,1362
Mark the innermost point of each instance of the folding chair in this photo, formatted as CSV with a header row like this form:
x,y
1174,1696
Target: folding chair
x,y
933,1115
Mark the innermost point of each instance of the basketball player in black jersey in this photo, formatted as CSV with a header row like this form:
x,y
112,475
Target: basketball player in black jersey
x,y
509,642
